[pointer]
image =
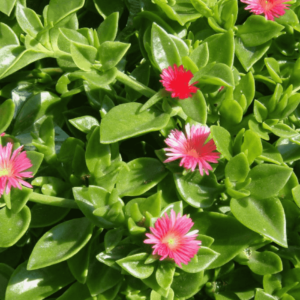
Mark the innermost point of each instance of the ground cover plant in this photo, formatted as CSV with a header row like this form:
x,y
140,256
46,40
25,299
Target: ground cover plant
x,y
149,149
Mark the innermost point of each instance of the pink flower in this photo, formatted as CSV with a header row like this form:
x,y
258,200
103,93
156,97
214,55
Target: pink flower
x,y
171,238
2,134
12,166
191,147
177,82
270,8
221,88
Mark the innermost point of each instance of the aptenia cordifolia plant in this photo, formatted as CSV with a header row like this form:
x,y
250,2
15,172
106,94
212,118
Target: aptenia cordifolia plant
x,y
150,150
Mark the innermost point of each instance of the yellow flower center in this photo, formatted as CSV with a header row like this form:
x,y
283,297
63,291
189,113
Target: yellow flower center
x,y
193,153
4,172
171,241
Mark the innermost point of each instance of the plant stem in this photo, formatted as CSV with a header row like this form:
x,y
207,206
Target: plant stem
x,y
137,86
54,201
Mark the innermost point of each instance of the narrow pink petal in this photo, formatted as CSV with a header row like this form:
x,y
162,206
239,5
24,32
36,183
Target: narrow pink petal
x,y
171,238
13,166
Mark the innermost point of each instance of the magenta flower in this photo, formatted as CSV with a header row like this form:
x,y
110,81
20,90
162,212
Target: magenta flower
x,y
172,239
177,82
270,8
191,148
12,167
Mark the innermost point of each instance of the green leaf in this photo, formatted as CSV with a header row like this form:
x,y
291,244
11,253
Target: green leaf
x,y
195,107
176,206
296,194
288,149
91,198
284,130
216,74
135,265
197,190
7,109
76,291
223,141
59,10
187,284
28,20
231,111
248,56
101,278
106,8
156,296
142,75
267,180
84,123
182,47
46,215
152,283
112,238
107,31
263,263
5,273
125,121
223,228
224,41
110,53
268,213
97,156
246,87
180,11
271,283
202,8
6,6
36,106
83,55
164,274
271,154
14,58
251,146
36,160
139,206
144,173
46,281
79,263
52,247
164,50
19,199
273,68
201,261
200,55
7,36
237,168
68,36
99,79
13,226
261,295
257,31
260,111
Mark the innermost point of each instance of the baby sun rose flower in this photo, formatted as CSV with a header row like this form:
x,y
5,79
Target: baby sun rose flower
x,y
191,148
12,167
172,239
177,81
270,8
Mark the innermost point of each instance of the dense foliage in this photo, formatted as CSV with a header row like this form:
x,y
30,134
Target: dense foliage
x,y
80,89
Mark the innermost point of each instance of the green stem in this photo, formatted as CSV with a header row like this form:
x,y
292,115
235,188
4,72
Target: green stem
x,y
54,201
154,99
137,86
